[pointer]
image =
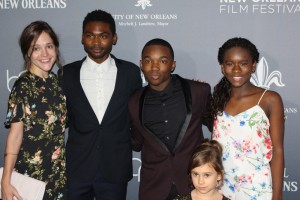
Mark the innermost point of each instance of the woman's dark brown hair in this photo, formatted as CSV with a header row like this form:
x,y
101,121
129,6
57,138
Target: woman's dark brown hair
x,y
29,37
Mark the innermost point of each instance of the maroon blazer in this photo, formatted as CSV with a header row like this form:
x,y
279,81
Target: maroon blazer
x,y
160,167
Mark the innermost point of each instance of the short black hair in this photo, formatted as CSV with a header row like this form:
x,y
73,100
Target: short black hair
x,y
238,42
100,16
158,41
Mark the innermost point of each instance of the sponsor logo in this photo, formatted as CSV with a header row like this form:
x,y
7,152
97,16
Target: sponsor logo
x,y
262,78
138,169
289,185
145,19
259,7
32,4
289,111
11,80
143,4
142,20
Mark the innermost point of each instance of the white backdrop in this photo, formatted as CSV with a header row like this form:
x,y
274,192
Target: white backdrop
x,y
195,28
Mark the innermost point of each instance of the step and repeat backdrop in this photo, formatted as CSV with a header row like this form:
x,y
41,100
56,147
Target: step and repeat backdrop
x,y
195,28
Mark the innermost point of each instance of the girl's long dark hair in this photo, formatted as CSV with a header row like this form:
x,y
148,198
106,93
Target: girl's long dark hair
x,y
222,90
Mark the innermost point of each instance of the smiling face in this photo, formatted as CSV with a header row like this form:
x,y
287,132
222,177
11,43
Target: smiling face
x,y
238,66
42,55
98,39
205,179
157,64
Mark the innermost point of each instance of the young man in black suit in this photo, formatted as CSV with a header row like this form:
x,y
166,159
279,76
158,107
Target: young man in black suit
x,y
167,118
97,88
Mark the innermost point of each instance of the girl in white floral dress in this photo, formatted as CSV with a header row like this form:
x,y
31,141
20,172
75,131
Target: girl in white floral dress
x,y
249,123
36,117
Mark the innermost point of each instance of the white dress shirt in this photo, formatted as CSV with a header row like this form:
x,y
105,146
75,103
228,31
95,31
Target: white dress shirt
x,y
98,83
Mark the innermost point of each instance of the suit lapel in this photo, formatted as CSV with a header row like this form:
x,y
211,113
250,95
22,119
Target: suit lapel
x,y
85,104
119,86
188,103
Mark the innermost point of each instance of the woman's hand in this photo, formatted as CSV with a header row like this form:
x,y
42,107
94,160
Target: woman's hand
x,y
9,192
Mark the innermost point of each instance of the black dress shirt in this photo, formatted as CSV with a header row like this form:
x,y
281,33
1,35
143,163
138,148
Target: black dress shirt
x,y
165,112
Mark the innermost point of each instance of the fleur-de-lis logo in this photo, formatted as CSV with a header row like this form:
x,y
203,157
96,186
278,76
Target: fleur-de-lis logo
x,y
143,4
262,78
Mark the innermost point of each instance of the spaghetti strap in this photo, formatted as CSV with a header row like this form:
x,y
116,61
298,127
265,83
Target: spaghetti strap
x,y
261,96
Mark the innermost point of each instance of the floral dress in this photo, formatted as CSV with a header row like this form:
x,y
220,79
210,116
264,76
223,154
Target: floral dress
x,y
41,106
247,151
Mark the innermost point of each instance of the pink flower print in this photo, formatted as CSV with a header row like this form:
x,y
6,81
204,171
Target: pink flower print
x,y
269,155
27,110
242,180
15,110
51,117
62,118
217,135
215,124
254,149
268,143
56,153
37,158
266,174
259,133
246,145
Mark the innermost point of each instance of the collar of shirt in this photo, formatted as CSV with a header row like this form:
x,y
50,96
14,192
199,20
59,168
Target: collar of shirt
x,y
166,92
103,67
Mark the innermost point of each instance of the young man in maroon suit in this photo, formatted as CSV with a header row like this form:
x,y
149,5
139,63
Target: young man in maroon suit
x,y
166,117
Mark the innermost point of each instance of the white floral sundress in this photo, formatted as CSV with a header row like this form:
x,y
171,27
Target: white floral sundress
x,y
247,151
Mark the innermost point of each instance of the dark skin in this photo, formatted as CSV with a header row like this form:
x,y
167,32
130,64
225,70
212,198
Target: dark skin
x,y
237,68
98,39
157,65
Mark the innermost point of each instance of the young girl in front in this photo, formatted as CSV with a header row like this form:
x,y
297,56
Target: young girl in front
x,y
249,123
206,172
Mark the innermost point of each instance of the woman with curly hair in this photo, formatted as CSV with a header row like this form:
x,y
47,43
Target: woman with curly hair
x,y
249,123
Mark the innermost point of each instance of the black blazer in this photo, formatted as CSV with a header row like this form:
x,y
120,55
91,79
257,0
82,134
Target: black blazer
x,y
92,147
